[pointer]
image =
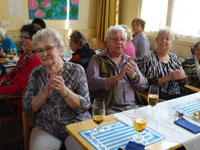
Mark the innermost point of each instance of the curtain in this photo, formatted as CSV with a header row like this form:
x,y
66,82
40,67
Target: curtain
x,y
107,15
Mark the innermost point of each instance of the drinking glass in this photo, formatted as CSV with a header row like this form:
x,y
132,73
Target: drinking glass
x,y
98,113
196,114
153,96
139,124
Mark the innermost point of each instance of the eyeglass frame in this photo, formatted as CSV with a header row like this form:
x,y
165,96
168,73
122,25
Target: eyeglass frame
x,y
25,38
117,40
47,49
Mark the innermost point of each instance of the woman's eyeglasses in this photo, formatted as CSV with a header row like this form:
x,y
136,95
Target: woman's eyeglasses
x,y
25,38
48,49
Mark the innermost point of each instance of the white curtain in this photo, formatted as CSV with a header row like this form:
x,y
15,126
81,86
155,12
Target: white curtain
x,y
184,19
154,12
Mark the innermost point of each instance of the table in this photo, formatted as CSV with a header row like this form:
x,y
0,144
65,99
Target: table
x,y
74,129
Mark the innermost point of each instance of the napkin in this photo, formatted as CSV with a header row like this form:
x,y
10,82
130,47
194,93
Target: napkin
x,y
134,146
188,125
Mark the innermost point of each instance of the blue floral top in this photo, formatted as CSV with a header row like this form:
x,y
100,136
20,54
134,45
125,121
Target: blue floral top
x,y
56,113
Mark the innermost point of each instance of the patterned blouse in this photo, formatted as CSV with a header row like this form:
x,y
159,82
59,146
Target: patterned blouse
x,y
55,114
153,69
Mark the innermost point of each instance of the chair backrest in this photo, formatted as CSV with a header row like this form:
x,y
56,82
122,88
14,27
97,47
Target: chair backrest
x,y
96,43
28,124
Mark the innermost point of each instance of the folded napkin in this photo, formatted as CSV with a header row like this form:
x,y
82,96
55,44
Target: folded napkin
x,y
192,144
134,146
188,125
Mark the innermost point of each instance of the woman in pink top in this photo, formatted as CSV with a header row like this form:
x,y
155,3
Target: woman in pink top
x,y
129,48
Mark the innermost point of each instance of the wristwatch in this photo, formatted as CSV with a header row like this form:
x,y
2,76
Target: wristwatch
x,y
136,77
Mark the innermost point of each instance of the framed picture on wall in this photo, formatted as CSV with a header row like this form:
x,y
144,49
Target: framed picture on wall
x,y
53,9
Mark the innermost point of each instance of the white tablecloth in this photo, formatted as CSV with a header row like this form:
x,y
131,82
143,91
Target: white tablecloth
x,y
161,123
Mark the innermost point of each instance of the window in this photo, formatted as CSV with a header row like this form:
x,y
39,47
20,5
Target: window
x,y
181,15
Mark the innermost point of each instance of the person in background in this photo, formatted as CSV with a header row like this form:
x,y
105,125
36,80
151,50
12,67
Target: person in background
x,y
163,68
140,41
129,48
15,81
82,51
57,93
192,67
113,75
39,22
6,43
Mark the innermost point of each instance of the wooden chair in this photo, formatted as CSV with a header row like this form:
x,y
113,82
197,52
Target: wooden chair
x,y
96,43
192,88
28,124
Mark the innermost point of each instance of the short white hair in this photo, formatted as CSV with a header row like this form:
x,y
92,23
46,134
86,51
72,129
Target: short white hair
x,y
116,28
48,33
3,32
166,30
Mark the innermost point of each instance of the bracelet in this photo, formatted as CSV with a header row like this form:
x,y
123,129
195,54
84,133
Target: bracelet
x,y
68,93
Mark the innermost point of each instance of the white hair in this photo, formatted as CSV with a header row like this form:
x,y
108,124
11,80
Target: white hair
x,y
48,33
3,32
116,28
166,30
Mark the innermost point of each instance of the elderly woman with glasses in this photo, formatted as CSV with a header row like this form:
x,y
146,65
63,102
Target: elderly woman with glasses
x,y
57,92
15,81
163,68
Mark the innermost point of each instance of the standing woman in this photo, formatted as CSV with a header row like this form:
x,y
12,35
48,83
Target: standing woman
x,y
163,68
14,82
140,41
82,51
57,92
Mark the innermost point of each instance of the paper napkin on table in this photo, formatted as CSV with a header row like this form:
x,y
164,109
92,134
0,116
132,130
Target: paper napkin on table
x,y
134,146
123,118
188,125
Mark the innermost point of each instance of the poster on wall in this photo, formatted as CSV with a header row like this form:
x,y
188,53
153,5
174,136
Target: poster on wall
x,y
53,9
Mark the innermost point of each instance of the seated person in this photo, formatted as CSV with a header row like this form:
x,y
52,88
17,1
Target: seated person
x,y
6,43
113,75
39,22
140,41
14,82
192,67
163,68
129,48
82,51
57,92
2,70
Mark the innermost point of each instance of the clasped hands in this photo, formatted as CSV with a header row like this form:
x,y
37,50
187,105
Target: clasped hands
x,y
55,82
177,75
128,69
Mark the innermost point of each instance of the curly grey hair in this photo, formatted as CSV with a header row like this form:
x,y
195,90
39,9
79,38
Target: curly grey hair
x,y
48,33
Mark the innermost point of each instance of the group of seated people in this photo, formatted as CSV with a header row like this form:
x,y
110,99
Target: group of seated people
x,y
60,92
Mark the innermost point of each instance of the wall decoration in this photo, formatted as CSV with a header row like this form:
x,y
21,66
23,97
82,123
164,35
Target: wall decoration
x,y
15,7
53,9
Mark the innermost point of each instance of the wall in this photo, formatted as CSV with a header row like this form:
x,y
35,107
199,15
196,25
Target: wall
x,y
129,9
86,20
